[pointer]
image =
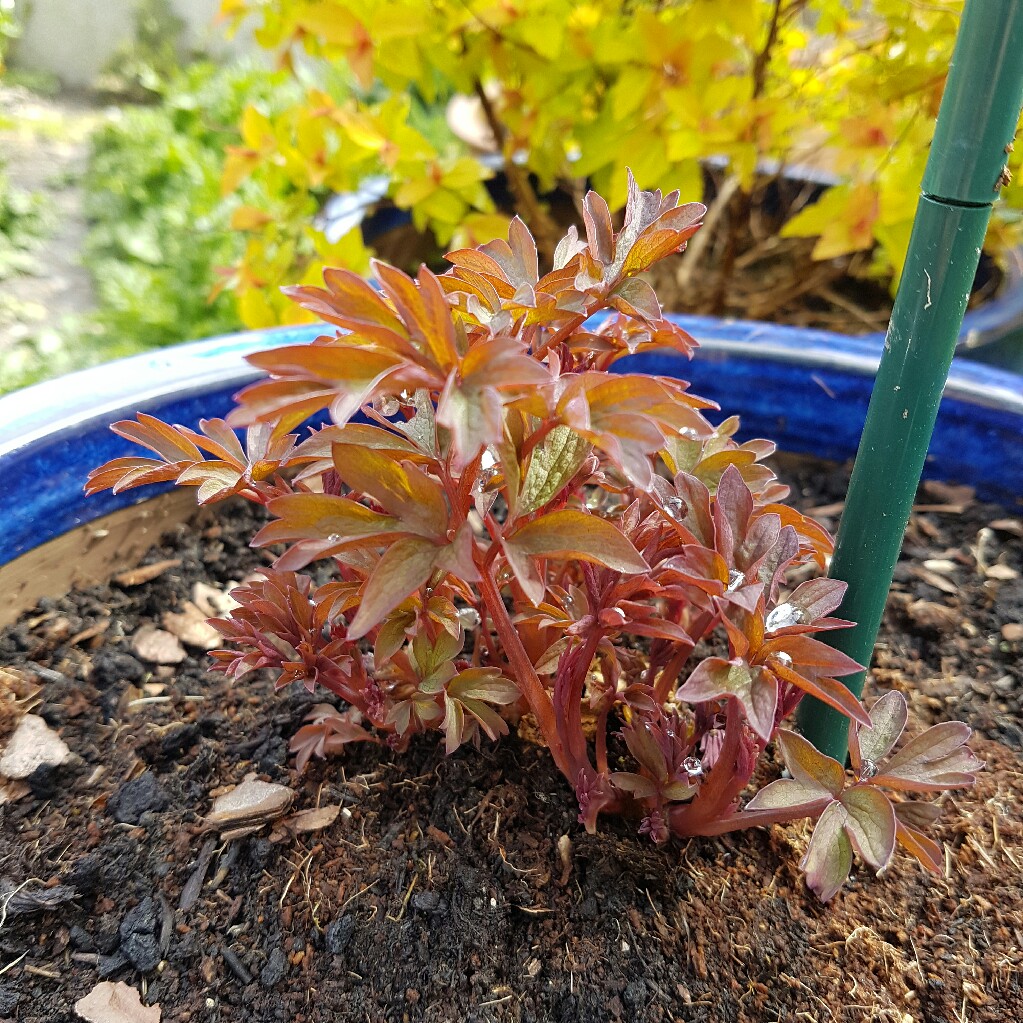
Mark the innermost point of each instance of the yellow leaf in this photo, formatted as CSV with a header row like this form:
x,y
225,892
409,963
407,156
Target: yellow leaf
x,y
248,218
254,309
238,165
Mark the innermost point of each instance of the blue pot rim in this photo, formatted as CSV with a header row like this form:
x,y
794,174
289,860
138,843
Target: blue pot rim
x,y
775,377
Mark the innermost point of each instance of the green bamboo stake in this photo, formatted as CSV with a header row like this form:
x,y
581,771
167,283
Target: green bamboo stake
x,y
977,120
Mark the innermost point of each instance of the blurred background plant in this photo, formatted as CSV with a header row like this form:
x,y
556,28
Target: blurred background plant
x,y
804,124
8,29
752,104
159,228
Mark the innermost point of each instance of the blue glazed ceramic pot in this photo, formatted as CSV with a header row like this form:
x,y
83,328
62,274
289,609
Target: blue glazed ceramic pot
x,y
806,390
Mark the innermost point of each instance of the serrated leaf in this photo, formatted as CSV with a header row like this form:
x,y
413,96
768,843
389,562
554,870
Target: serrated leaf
x,y
870,824
553,463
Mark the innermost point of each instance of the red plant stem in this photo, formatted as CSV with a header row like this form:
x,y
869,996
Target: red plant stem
x,y
665,680
749,819
602,740
568,699
721,788
526,677
671,670
556,338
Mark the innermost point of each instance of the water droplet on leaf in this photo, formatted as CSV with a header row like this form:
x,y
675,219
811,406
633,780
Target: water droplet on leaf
x,y
735,580
783,659
676,508
867,769
692,766
784,615
468,618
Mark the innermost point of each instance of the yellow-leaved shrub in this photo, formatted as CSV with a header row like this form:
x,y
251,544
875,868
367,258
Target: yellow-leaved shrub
x,y
715,98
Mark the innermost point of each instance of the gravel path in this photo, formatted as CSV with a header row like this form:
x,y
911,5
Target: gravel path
x,y
44,142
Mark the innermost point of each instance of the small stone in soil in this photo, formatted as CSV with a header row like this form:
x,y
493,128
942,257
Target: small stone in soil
x,y
109,965
428,902
339,934
33,745
139,936
110,1003
115,666
81,939
8,1001
136,797
273,972
152,644
250,804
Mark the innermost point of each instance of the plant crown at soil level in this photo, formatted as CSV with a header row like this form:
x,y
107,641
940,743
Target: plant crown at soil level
x,y
520,535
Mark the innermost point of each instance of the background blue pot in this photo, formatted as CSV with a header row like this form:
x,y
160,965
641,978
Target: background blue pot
x,y
807,390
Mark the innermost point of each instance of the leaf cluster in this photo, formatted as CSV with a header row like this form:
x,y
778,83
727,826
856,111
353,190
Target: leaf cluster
x,y
521,528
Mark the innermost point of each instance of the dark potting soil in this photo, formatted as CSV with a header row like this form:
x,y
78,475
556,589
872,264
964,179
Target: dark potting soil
x,y
462,888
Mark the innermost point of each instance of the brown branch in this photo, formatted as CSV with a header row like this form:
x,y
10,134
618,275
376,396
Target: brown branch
x,y
545,231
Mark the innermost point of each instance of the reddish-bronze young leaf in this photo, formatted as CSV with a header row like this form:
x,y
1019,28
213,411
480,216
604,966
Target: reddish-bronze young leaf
x,y
401,489
351,303
324,517
815,777
910,818
829,856
935,760
234,470
568,533
468,699
755,689
402,569
327,732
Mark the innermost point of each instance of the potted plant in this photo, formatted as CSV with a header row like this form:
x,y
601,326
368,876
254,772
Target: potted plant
x,y
520,507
